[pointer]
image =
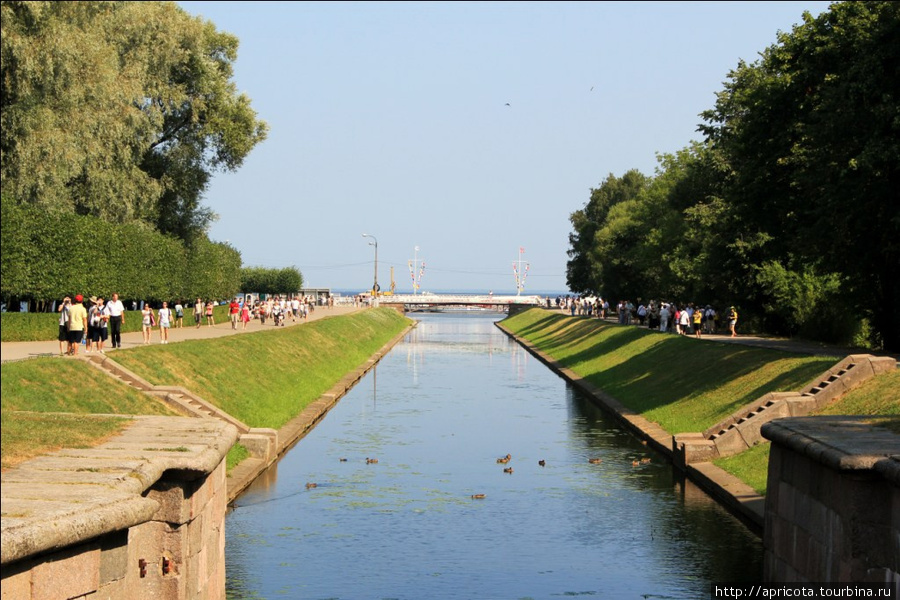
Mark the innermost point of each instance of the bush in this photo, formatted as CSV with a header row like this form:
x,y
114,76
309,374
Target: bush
x,y
47,256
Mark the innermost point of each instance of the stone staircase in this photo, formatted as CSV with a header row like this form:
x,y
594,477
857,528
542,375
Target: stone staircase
x,y
262,443
741,430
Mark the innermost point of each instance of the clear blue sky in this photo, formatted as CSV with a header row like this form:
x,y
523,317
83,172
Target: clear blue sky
x,y
392,119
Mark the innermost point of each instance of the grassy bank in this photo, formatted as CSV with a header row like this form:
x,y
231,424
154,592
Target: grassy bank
x,y
681,383
263,378
878,397
61,399
686,385
39,327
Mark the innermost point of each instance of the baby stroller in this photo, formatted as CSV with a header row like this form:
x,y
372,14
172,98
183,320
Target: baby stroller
x,y
277,316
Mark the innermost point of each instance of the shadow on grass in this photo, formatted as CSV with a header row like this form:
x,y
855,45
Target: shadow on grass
x,y
648,371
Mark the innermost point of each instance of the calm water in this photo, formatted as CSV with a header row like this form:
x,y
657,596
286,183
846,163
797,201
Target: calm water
x,y
437,413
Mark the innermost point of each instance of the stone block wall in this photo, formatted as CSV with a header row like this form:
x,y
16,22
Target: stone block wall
x,y
833,503
175,551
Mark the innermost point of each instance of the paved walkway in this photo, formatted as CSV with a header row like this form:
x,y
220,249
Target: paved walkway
x,y
798,346
19,350
10,351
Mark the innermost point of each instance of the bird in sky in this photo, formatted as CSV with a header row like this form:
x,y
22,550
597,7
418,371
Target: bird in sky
x,y
507,103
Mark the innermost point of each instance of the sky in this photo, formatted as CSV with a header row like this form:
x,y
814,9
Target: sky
x,y
460,134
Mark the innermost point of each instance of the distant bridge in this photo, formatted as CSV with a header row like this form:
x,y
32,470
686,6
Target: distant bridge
x,y
412,302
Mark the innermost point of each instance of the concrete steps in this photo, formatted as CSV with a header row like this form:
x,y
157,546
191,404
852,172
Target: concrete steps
x,y
742,429
261,443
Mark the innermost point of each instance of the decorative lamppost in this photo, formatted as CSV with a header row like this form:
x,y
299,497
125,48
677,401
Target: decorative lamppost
x,y
413,268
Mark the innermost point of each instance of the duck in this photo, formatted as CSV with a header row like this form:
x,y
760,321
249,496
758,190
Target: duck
x,y
371,461
635,463
311,485
645,461
542,462
343,460
477,496
595,461
504,459
508,470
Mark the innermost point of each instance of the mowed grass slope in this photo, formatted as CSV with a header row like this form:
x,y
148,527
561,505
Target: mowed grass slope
x,y
267,378
52,403
878,397
679,382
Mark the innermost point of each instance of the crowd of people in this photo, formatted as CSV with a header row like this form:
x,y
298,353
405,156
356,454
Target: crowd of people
x,y
93,325
686,319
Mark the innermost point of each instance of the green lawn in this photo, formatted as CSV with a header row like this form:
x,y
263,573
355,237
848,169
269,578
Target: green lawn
x,y
681,383
878,397
688,385
263,378
267,378
45,387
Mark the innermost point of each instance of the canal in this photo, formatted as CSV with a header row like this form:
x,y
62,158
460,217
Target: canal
x,y
438,517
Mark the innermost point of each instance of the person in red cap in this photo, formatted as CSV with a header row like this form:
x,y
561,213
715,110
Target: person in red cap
x,y
77,324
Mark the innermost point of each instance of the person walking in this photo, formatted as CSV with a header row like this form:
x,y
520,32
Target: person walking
x,y
116,311
92,336
234,311
245,315
148,320
210,319
198,312
101,325
77,324
179,314
697,321
165,322
732,321
63,310
710,319
664,318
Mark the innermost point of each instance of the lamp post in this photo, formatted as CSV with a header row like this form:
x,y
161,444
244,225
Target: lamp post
x,y
375,285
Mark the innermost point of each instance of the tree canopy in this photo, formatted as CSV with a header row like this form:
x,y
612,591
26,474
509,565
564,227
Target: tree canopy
x,y
790,206
119,110
262,280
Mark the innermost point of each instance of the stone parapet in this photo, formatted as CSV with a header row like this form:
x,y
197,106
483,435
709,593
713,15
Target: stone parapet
x,y
831,510
141,516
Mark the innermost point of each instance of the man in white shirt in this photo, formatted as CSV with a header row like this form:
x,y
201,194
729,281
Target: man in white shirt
x,y
116,311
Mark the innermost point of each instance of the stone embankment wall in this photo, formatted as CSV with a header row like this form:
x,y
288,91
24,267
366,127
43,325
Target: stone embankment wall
x,y
141,516
833,504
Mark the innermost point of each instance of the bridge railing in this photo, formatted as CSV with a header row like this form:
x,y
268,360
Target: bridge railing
x,y
461,299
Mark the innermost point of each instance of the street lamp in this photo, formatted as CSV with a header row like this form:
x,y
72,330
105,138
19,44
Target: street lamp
x,y
374,243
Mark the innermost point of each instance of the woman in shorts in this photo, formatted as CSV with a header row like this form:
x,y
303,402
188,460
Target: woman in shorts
x,y
165,322
210,321
147,321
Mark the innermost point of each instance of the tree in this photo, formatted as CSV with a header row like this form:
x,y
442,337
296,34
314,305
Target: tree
x,y
261,280
120,110
582,271
812,133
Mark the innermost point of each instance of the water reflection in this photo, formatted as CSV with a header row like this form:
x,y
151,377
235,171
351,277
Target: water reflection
x,y
452,398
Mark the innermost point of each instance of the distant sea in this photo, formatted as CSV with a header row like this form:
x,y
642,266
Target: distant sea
x,y
525,292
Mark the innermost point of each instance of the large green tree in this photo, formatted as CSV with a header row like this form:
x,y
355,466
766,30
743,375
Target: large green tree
x,y
811,132
583,273
120,110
